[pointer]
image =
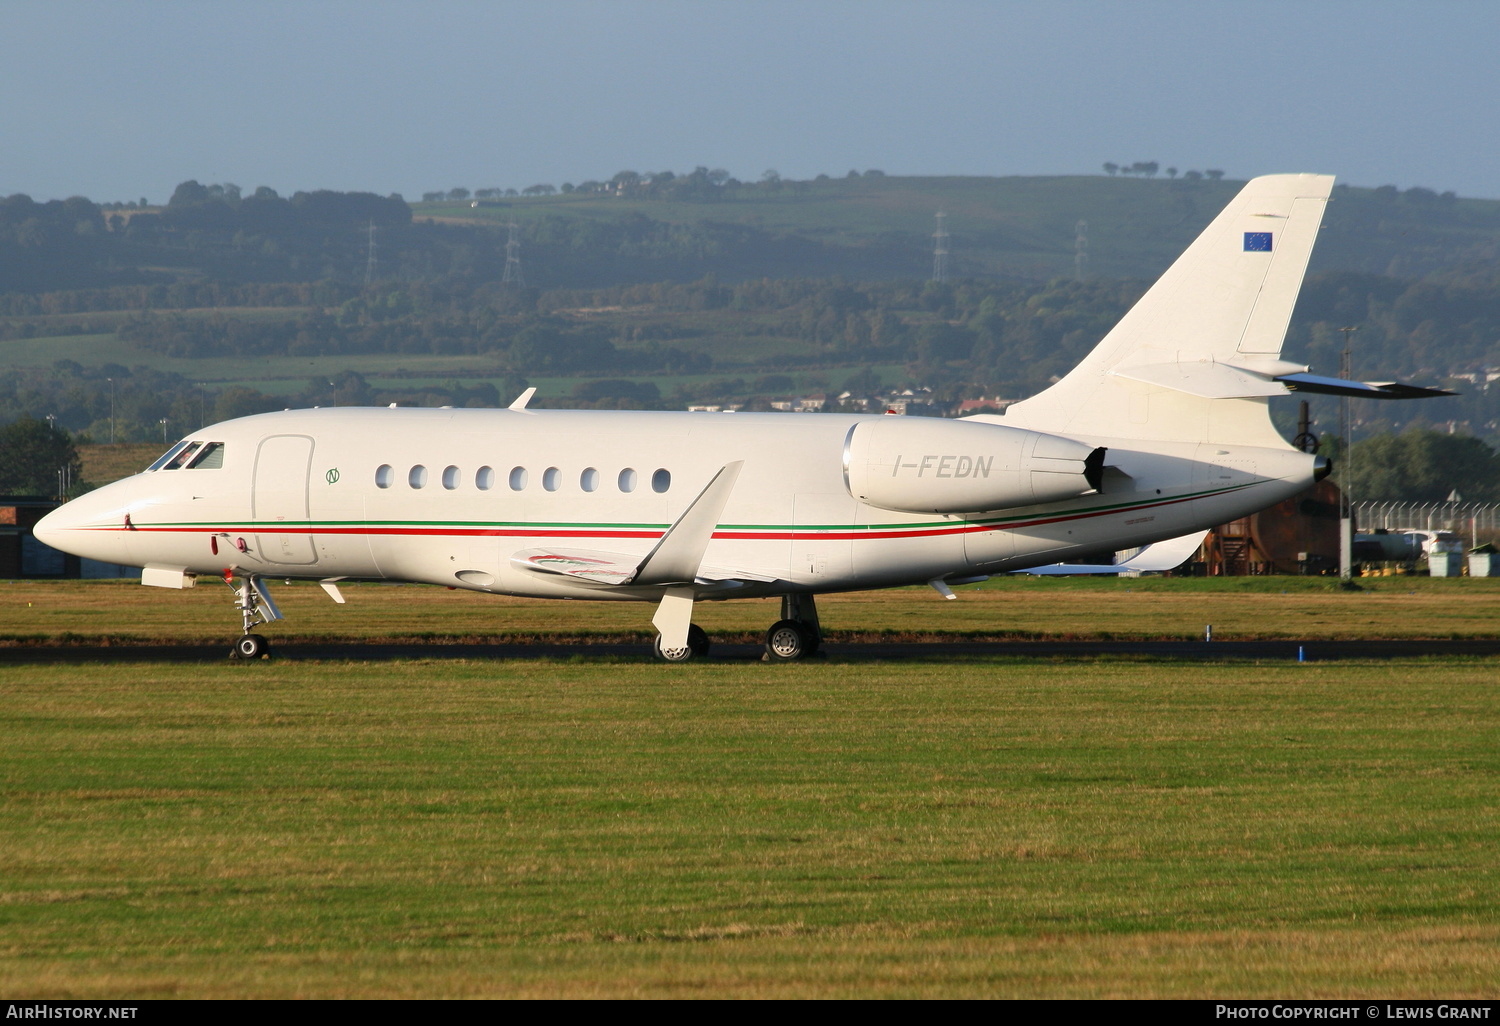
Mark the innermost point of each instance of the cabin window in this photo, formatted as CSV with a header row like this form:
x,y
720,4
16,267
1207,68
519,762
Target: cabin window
x,y
589,479
551,478
161,460
450,478
210,457
484,478
384,475
518,479
661,480
183,455
627,479
417,476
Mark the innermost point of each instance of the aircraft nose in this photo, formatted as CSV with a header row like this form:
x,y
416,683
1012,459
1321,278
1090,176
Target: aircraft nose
x,y
89,525
54,527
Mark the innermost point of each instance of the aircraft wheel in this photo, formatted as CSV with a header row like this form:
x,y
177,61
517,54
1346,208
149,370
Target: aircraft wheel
x,y
673,655
251,646
698,640
788,640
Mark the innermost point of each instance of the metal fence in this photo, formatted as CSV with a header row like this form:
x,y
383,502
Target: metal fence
x,y
1475,522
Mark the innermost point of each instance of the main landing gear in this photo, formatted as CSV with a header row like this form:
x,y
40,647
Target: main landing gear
x,y
256,607
697,647
795,636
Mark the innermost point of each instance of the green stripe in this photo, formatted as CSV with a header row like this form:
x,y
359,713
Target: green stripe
x,y
597,525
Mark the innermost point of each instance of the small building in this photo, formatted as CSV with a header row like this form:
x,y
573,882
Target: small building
x,y
21,555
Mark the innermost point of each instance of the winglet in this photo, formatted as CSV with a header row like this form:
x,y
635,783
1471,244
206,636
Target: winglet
x,y
523,399
676,558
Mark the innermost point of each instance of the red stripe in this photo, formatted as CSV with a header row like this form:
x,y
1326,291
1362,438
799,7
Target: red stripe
x,y
791,534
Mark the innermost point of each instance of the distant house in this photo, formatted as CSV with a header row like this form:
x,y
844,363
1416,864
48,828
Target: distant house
x,y
968,406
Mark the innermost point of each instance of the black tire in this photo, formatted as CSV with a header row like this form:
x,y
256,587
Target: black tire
x,y
673,655
698,641
788,640
251,646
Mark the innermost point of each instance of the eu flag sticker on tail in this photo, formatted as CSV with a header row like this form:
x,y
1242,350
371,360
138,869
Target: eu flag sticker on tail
x,y
1257,242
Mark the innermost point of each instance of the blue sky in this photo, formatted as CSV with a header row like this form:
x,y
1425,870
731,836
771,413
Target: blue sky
x,y
117,101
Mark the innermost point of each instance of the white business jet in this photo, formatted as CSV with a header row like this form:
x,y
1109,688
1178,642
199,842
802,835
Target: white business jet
x,y
1161,431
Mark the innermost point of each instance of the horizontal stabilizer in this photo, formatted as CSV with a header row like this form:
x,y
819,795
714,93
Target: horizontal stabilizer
x,y
1209,379
1358,389
1205,379
1163,555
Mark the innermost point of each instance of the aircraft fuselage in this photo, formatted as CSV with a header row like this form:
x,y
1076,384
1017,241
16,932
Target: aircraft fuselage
x,y
449,496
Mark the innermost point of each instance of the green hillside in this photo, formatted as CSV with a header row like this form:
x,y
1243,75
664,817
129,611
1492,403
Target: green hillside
x,y
868,228
660,295
1019,227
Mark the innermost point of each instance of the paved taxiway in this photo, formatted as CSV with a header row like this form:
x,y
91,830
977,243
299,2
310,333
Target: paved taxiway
x,y
1312,651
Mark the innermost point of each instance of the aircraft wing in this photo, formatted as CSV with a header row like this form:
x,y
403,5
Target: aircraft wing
x,y
675,560
581,564
603,567
1163,555
726,573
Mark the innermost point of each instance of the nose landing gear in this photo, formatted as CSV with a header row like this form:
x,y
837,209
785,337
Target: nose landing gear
x,y
253,599
251,646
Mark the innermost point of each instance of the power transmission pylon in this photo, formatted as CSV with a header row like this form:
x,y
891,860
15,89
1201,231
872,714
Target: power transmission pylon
x,y
370,261
1081,250
940,251
513,275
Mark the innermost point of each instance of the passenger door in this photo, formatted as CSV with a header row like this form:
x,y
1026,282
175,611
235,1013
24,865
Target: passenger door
x,y
280,498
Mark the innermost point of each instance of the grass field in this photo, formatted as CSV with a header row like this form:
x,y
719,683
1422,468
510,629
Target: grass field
x,y
1021,608
615,829
612,827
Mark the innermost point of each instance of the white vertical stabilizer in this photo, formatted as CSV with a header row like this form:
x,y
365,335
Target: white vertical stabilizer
x,y
1193,359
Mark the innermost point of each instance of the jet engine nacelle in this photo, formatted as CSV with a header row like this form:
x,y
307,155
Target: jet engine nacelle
x,y
926,465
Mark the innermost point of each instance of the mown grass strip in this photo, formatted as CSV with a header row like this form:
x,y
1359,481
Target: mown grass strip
x,y
983,827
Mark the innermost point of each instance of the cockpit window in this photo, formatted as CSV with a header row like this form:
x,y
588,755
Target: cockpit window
x,y
162,460
181,459
210,457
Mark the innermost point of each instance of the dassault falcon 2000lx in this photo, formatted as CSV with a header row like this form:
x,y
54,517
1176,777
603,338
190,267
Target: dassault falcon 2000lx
x,y
1163,429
